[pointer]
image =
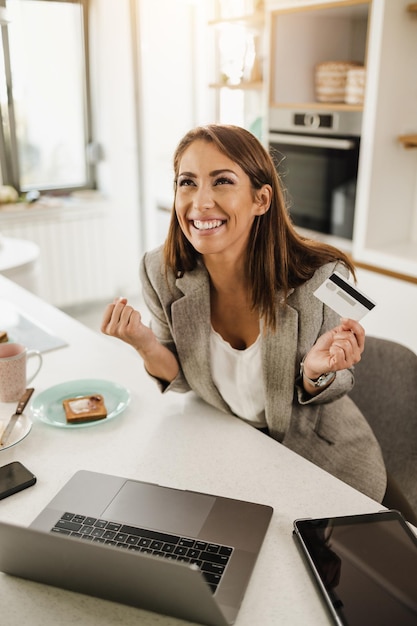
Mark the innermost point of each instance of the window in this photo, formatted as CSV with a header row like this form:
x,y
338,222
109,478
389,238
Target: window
x,y
44,101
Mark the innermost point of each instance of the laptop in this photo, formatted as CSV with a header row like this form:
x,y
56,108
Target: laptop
x,y
181,553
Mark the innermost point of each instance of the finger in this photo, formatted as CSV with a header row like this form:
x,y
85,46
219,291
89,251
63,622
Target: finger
x,y
112,316
356,328
130,318
338,358
125,313
129,324
350,324
346,337
120,305
107,315
345,352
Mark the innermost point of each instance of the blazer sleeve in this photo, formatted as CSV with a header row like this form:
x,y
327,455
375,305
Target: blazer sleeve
x,y
344,380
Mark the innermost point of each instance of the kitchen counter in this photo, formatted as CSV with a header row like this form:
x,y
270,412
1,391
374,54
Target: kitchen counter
x,y
175,440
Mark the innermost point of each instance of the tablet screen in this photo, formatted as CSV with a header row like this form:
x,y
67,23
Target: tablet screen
x,y
365,565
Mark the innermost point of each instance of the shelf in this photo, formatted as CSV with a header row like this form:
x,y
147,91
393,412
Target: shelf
x,y
408,141
399,260
386,272
323,106
244,85
412,7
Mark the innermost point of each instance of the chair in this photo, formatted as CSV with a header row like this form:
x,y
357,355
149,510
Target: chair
x,y
385,390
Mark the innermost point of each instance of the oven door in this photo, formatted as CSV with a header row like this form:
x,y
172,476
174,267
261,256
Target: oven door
x,y
319,175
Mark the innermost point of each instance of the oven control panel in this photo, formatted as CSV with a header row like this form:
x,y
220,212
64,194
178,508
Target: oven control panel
x,y
315,121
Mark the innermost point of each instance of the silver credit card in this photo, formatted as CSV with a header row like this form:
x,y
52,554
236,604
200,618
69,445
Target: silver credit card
x,y
344,298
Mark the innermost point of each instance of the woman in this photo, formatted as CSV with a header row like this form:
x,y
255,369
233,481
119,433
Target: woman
x,y
233,312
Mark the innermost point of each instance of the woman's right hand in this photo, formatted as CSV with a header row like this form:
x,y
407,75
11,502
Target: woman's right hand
x,y
122,321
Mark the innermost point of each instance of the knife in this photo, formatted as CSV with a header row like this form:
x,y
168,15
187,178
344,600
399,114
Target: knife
x,y
19,410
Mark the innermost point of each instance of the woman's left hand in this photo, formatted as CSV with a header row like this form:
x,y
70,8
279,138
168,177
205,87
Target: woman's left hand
x,y
338,349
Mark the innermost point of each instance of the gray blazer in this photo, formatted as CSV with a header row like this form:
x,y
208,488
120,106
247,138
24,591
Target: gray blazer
x,y
329,429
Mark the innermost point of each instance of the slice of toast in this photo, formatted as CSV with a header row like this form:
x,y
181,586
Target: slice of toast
x,y
84,409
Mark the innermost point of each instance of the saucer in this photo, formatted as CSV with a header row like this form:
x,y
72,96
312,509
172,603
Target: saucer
x,y
47,405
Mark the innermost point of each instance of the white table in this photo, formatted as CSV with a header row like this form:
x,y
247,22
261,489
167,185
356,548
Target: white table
x,y
19,261
174,440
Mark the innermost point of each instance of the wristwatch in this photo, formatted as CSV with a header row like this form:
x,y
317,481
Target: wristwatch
x,y
321,381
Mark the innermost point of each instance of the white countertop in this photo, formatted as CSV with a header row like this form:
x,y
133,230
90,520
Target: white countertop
x,y
175,440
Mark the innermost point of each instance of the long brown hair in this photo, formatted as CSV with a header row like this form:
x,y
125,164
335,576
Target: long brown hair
x,y
278,258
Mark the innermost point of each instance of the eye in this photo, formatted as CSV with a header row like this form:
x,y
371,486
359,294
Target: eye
x,y
185,182
223,180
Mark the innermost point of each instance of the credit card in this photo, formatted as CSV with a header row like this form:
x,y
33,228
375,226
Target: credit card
x,y
344,298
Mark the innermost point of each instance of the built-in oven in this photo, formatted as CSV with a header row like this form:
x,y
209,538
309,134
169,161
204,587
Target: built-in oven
x,y
317,155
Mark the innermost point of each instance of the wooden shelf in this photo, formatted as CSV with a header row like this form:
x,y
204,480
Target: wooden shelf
x,y
386,272
323,106
408,141
412,7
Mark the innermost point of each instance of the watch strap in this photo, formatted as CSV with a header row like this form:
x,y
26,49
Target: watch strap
x,y
321,381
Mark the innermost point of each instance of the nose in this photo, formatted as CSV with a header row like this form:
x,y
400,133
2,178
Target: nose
x,y
203,198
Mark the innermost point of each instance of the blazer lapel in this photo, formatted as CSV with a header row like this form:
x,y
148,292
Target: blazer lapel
x,y
279,370
191,327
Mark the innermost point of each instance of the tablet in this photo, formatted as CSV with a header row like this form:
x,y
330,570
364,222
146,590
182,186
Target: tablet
x,y
364,565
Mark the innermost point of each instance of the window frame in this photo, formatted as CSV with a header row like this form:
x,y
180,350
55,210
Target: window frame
x,y
9,157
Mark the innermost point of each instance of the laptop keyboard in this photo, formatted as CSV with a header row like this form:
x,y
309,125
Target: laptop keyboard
x,y
211,558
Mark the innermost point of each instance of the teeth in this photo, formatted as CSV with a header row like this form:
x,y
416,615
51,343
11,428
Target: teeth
x,y
207,225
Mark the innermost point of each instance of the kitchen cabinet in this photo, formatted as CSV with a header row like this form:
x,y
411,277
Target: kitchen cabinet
x,y
303,37
382,34
385,232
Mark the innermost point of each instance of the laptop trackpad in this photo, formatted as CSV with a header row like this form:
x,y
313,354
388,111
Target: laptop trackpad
x,y
160,508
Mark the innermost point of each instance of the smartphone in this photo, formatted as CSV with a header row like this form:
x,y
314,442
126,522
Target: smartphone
x,y
13,478
365,566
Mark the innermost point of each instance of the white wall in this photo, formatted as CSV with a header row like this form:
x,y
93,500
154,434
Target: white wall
x,y
149,86
114,127
173,84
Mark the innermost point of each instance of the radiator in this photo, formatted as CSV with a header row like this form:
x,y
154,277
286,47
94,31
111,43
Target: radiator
x,y
73,241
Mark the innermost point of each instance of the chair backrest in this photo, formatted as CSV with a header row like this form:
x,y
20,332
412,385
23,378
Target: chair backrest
x,y
386,392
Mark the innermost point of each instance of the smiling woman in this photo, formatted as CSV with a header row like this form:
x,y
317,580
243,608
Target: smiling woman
x,y
214,202
233,316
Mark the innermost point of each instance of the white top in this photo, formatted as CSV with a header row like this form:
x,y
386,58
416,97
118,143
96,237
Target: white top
x,y
238,377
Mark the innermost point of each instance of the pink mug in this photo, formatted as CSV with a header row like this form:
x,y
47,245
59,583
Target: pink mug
x,y
13,370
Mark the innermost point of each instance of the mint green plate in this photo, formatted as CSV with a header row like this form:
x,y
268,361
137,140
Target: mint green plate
x,y
47,406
